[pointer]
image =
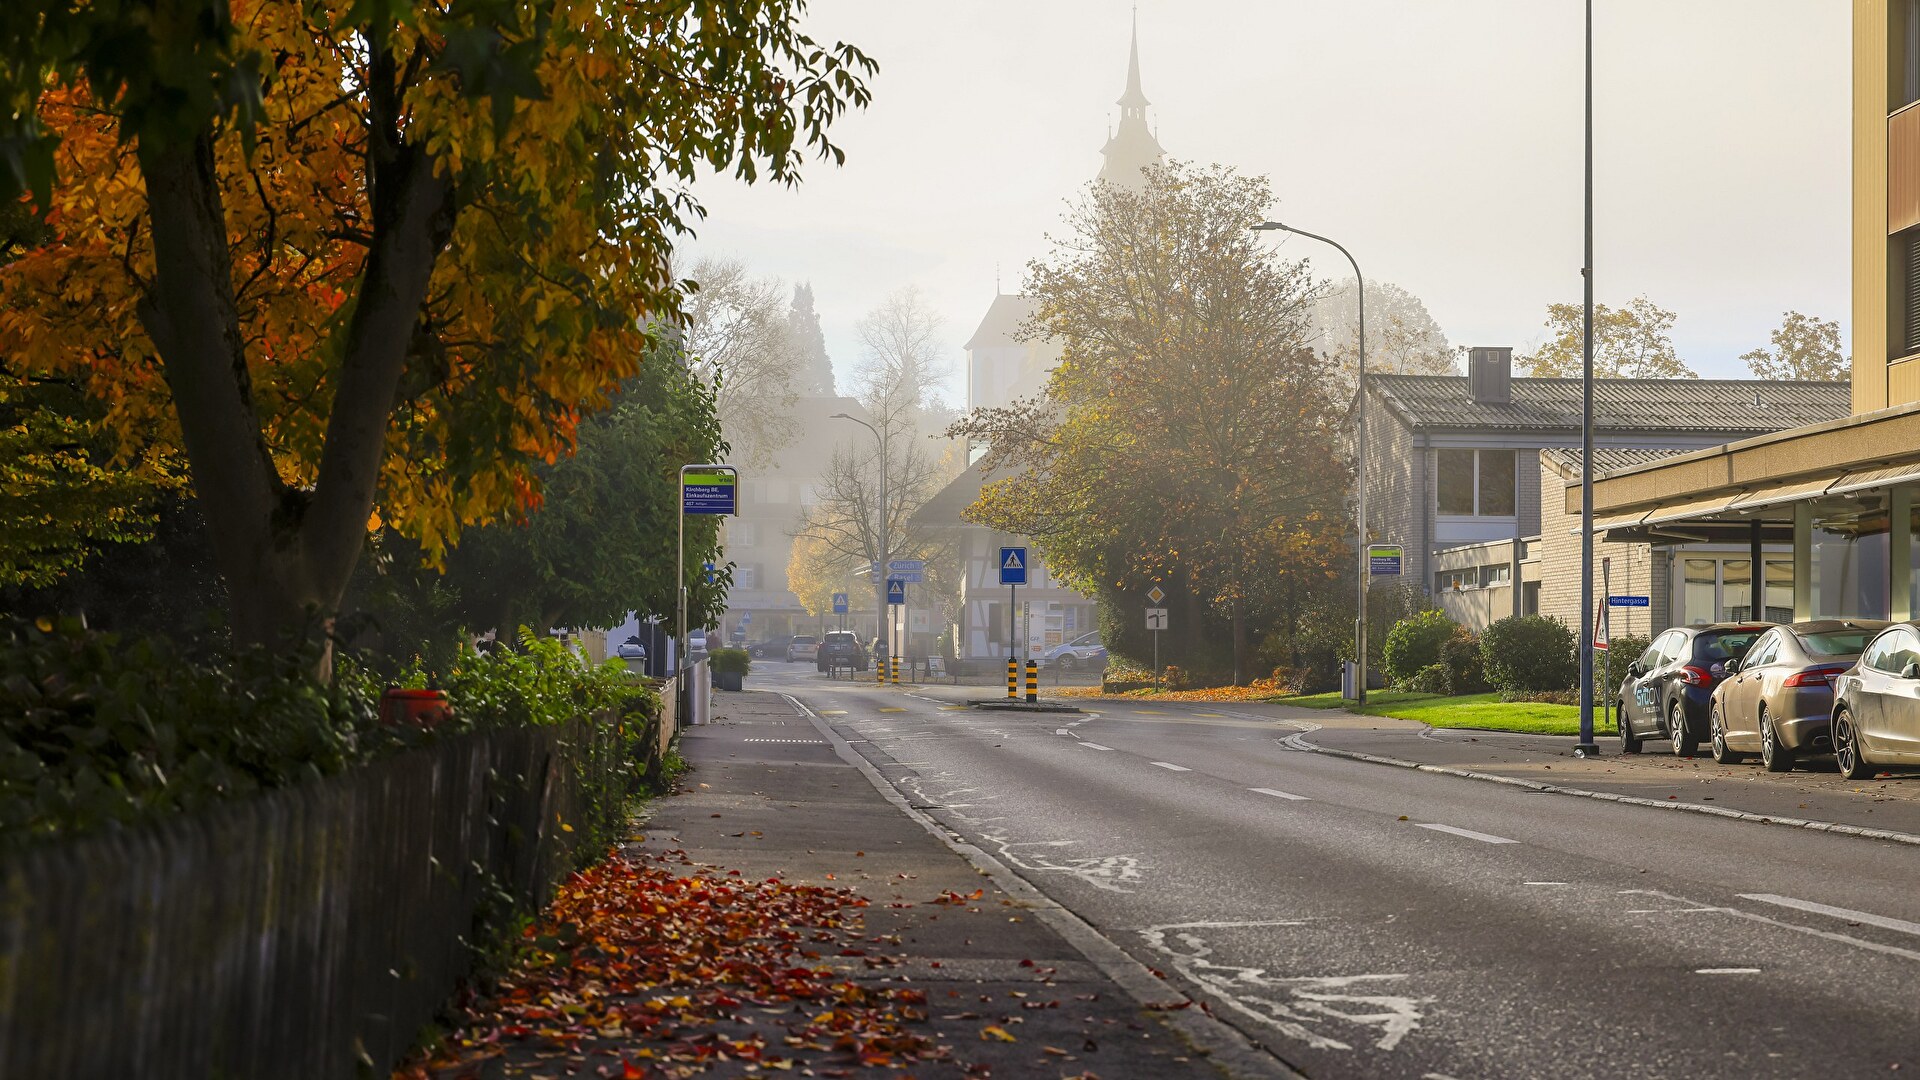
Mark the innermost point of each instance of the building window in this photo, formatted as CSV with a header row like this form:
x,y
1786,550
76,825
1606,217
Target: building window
x,y
1500,574
1720,589
1456,580
1476,483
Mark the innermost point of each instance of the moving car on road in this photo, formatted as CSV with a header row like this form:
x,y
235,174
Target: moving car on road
x,y
802,647
1777,700
840,649
1084,653
772,647
1668,690
1876,707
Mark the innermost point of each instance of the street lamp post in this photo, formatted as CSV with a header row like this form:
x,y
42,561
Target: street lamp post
x,y
880,577
1360,459
1587,747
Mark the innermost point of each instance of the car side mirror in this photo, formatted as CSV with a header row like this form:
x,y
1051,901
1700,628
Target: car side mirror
x,y
1730,666
1911,671
1634,670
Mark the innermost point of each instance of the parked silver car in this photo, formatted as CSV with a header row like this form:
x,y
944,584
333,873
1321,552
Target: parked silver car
x,y
1876,708
1777,699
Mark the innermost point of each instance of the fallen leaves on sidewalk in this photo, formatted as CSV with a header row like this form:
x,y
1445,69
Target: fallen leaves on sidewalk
x,y
638,972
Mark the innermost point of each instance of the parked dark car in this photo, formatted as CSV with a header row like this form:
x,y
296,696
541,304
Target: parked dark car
x,y
840,649
1876,707
770,648
1777,700
1668,691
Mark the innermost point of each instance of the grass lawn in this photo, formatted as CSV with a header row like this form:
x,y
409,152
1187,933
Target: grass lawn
x,y
1333,700
1482,711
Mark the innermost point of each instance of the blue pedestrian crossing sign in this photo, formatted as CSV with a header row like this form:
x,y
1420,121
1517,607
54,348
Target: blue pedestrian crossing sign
x,y
896,591
839,603
1013,566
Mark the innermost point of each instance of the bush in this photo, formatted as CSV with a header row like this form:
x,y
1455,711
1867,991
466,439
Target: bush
x,y
1432,679
1543,697
729,661
1461,654
1527,653
1414,644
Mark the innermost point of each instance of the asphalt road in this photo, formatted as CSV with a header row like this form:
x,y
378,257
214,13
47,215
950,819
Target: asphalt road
x,y
1366,921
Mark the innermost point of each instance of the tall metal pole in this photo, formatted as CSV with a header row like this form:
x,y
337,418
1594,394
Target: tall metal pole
x,y
1586,746
1360,462
880,570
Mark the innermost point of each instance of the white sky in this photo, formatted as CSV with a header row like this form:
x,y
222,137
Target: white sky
x,y
1438,139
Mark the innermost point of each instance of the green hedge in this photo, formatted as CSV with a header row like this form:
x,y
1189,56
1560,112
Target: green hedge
x,y
1529,654
1414,644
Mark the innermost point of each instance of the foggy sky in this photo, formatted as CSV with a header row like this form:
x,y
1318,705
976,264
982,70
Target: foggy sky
x,y
1438,139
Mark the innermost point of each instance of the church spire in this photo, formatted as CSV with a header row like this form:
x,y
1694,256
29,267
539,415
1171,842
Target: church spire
x,y
1132,147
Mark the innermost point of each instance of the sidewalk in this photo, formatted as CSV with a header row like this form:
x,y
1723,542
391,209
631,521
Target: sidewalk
x,y
768,796
1812,792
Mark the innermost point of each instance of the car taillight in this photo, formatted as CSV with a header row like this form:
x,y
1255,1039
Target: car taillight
x,y
1820,676
1694,675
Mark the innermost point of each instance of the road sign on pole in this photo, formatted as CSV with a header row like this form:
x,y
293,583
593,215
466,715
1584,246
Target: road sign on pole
x,y
1383,560
1154,595
1013,566
896,591
709,491
839,603
1629,601
1156,618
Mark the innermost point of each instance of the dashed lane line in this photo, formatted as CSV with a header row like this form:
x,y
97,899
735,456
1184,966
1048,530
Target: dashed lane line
x,y
1094,745
1170,765
1726,971
1848,914
1485,838
1278,794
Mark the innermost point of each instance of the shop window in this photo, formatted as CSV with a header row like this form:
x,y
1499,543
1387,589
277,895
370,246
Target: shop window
x,y
1476,483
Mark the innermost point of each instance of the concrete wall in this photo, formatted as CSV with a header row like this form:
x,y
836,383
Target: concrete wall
x,y
1397,484
1638,569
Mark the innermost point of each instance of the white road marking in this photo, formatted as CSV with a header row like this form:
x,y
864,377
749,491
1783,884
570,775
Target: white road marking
x,y
1828,935
1064,731
1485,838
1726,971
1544,883
1171,765
1278,794
1870,919
1094,745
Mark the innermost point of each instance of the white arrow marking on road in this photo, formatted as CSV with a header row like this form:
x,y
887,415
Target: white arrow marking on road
x,y
1279,794
1485,838
1094,745
1171,765
1882,921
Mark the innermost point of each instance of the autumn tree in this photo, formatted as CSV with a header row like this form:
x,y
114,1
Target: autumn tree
x,y
737,339
1803,347
1631,342
1402,336
1186,434
369,263
809,344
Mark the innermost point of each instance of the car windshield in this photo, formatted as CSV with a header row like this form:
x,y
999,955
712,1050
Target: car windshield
x,y
1722,644
803,640
1837,642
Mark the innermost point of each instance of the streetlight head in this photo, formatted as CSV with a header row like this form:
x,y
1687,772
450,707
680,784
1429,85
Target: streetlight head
x,y
1271,226
839,416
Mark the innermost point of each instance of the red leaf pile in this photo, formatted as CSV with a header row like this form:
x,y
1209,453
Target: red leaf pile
x,y
661,972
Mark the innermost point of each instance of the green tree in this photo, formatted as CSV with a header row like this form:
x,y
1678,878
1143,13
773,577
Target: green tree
x,y
369,261
1803,347
1186,435
1631,342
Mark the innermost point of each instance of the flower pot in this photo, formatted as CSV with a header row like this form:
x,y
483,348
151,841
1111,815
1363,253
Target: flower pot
x,y
727,680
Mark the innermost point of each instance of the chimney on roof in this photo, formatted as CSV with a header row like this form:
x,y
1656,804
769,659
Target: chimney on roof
x,y
1490,375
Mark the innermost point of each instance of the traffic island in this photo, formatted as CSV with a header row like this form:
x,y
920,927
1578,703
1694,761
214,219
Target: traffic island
x,y
1016,705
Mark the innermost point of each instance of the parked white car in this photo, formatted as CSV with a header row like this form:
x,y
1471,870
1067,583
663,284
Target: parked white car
x,y
803,647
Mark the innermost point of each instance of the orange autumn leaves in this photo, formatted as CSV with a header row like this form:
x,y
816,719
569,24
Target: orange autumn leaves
x,y
635,970
536,306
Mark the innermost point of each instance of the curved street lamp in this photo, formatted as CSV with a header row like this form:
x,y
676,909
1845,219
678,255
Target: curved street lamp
x,y
880,582
1360,458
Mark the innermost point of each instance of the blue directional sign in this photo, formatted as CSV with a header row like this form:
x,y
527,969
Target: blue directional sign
x,y
1629,601
1013,566
839,603
708,492
708,567
896,591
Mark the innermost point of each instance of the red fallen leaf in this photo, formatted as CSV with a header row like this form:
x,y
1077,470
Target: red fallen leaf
x,y
1029,963
630,1071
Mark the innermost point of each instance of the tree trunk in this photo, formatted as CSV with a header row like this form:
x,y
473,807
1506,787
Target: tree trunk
x,y
1239,644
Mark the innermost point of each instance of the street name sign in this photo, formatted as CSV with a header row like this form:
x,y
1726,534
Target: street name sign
x,y
896,591
1156,618
839,603
1154,595
1013,566
1383,560
1629,601
710,492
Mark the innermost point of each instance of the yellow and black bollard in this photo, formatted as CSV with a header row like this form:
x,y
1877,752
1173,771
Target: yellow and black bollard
x,y
1033,681
880,669
1013,679
893,667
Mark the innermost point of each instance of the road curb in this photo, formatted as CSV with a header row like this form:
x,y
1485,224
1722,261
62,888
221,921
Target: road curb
x,y
1226,1046
1298,741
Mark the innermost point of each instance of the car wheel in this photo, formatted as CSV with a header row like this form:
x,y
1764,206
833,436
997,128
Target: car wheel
x,y
1717,736
1846,748
1684,741
1629,742
1066,662
1775,757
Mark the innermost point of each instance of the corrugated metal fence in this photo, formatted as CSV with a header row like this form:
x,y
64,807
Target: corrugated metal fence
x,y
309,932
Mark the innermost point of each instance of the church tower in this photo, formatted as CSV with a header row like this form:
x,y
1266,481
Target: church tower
x,y
1133,147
